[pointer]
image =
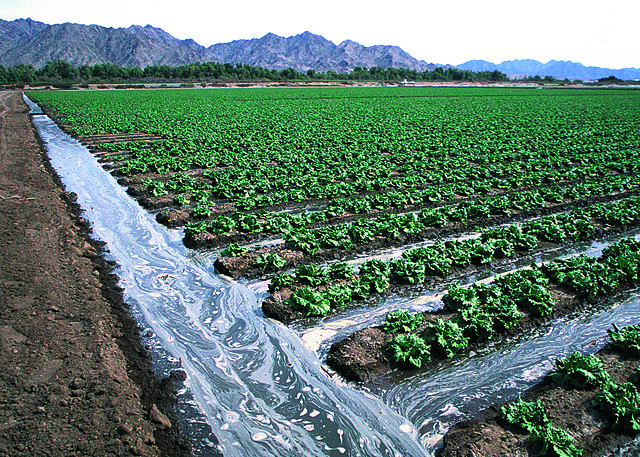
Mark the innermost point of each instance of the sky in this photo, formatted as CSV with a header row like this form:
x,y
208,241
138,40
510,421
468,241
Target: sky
x,y
436,31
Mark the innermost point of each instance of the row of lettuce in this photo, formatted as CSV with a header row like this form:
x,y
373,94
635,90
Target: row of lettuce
x,y
618,402
321,290
293,226
405,188
260,148
480,312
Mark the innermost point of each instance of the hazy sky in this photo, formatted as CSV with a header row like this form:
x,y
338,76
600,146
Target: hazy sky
x,y
437,31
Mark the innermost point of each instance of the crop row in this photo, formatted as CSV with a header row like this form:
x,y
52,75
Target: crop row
x,y
591,393
482,312
320,290
434,185
341,237
335,241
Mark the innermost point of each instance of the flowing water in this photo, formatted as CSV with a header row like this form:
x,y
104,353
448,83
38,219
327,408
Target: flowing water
x,y
258,388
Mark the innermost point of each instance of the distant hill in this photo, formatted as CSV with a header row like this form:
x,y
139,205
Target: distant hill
x,y
30,42
24,41
559,69
308,51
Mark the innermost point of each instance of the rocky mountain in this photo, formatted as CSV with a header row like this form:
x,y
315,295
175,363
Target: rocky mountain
x,y
29,42
24,41
78,44
308,51
557,68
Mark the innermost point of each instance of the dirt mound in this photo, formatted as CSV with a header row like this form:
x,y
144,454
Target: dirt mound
x,y
75,378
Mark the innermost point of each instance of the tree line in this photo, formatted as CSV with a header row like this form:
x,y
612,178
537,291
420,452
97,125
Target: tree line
x,y
60,71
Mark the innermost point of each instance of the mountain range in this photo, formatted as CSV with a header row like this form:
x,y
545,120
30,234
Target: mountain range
x,y
559,69
25,41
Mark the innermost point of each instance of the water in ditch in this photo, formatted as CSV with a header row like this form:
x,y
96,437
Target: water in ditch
x,y
256,387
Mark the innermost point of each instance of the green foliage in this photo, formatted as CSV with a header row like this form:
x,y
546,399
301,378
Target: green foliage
x,y
270,261
481,251
623,403
584,274
484,310
409,348
360,289
459,298
375,268
545,438
437,259
402,321
503,248
622,247
221,225
377,284
626,338
157,189
180,200
624,258
196,227
501,307
626,267
445,337
477,323
526,414
312,275
280,281
339,295
527,289
341,271
247,223
407,272
309,302
234,250
549,440
204,210
580,371
302,240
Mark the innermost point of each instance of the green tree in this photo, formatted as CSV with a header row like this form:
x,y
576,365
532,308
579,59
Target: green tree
x,y
289,74
59,69
22,74
4,75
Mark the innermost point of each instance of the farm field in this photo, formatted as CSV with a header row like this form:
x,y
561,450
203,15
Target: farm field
x,y
344,199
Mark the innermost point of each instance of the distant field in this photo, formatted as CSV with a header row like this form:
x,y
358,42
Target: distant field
x,y
331,172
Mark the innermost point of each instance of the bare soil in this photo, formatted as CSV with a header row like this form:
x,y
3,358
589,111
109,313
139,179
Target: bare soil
x,y
75,379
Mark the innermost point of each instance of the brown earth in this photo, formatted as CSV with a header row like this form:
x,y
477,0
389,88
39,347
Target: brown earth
x,y
75,379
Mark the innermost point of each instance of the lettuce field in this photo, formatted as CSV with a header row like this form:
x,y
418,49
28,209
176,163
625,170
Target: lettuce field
x,y
342,198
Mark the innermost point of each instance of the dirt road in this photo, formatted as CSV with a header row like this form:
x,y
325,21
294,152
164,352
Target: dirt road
x,y
72,364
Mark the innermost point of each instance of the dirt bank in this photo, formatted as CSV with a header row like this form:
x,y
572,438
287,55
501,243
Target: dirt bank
x,y
75,379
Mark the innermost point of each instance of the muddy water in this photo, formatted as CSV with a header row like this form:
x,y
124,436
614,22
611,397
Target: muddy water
x,y
258,388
